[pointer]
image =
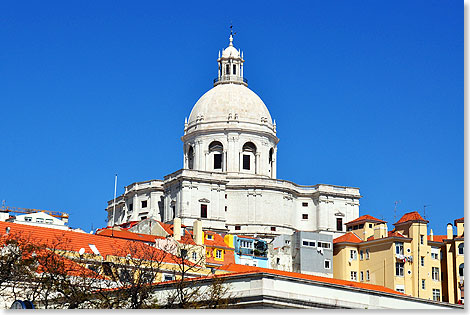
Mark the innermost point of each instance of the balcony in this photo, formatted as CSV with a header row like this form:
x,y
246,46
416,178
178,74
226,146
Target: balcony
x,y
230,78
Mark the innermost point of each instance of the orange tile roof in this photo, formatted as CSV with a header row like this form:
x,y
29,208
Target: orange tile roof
x,y
437,238
74,241
365,218
349,237
125,234
411,216
242,269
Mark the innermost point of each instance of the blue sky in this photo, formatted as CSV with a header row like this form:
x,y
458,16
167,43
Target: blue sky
x,y
365,93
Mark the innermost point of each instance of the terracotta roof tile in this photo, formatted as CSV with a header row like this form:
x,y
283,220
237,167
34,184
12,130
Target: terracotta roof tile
x,y
365,218
349,237
411,216
74,241
125,234
242,269
437,238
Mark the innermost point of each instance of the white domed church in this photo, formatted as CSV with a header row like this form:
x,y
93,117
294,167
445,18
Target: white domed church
x,y
228,180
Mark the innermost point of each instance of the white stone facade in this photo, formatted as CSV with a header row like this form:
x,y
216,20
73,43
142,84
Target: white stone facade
x,y
228,178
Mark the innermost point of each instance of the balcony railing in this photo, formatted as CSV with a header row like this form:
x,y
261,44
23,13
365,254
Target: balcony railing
x,y
228,78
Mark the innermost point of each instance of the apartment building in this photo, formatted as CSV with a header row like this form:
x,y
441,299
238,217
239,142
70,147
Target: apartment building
x,y
401,259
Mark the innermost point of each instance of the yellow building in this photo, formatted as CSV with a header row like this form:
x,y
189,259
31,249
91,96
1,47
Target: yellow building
x,y
453,260
402,259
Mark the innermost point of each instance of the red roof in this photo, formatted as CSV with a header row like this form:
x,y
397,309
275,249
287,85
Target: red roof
x,y
74,241
437,238
365,218
411,216
349,237
242,269
125,234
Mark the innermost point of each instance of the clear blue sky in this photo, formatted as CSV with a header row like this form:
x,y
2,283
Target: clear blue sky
x,y
365,93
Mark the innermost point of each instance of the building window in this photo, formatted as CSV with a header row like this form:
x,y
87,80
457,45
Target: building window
x,y
246,244
435,273
144,203
309,243
143,218
324,244
399,289
367,275
225,196
370,226
273,228
218,254
225,208
353,254
399,248
131,207
234,69
399,269
203,211
227,69
421,239
238,228
461,270
461,249
217,161
327,264
423,284
362,275
367,254
435,253
168,277
304,216
353,276
194,256
246,162
422,261
436,294
49,221
39,220
210,237
361,254
339,224
28,219
304,204
191,158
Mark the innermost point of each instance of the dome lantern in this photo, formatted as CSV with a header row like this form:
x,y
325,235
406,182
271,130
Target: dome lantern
x,y
230,66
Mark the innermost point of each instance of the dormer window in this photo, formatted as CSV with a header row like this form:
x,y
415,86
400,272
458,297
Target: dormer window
x,y
210,237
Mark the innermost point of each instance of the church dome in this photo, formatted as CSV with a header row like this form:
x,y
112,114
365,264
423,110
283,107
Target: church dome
x,y
230,102
230,51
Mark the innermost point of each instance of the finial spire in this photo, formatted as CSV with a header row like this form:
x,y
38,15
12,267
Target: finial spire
x,y
231,34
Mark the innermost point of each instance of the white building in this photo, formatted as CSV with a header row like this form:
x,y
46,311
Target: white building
x,y
39,219
228,179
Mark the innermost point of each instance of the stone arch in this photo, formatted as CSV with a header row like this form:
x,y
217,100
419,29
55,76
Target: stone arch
x,y
190,157
461,273
249,157
216,153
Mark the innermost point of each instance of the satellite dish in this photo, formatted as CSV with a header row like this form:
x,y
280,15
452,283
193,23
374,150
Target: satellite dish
x,y
81,251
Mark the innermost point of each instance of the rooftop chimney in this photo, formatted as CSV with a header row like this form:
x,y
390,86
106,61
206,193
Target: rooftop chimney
x,y
197,232
431,236
450,231
177,229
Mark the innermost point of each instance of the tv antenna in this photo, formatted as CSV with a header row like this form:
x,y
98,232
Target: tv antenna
x,y
424,210
395,210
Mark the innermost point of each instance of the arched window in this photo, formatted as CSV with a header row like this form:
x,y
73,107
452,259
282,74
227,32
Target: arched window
x,y
271,156
461,249
227,69
190,158
216,150
234,69
461,270
249,153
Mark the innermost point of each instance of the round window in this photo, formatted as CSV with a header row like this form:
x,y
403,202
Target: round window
x,y
409,272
